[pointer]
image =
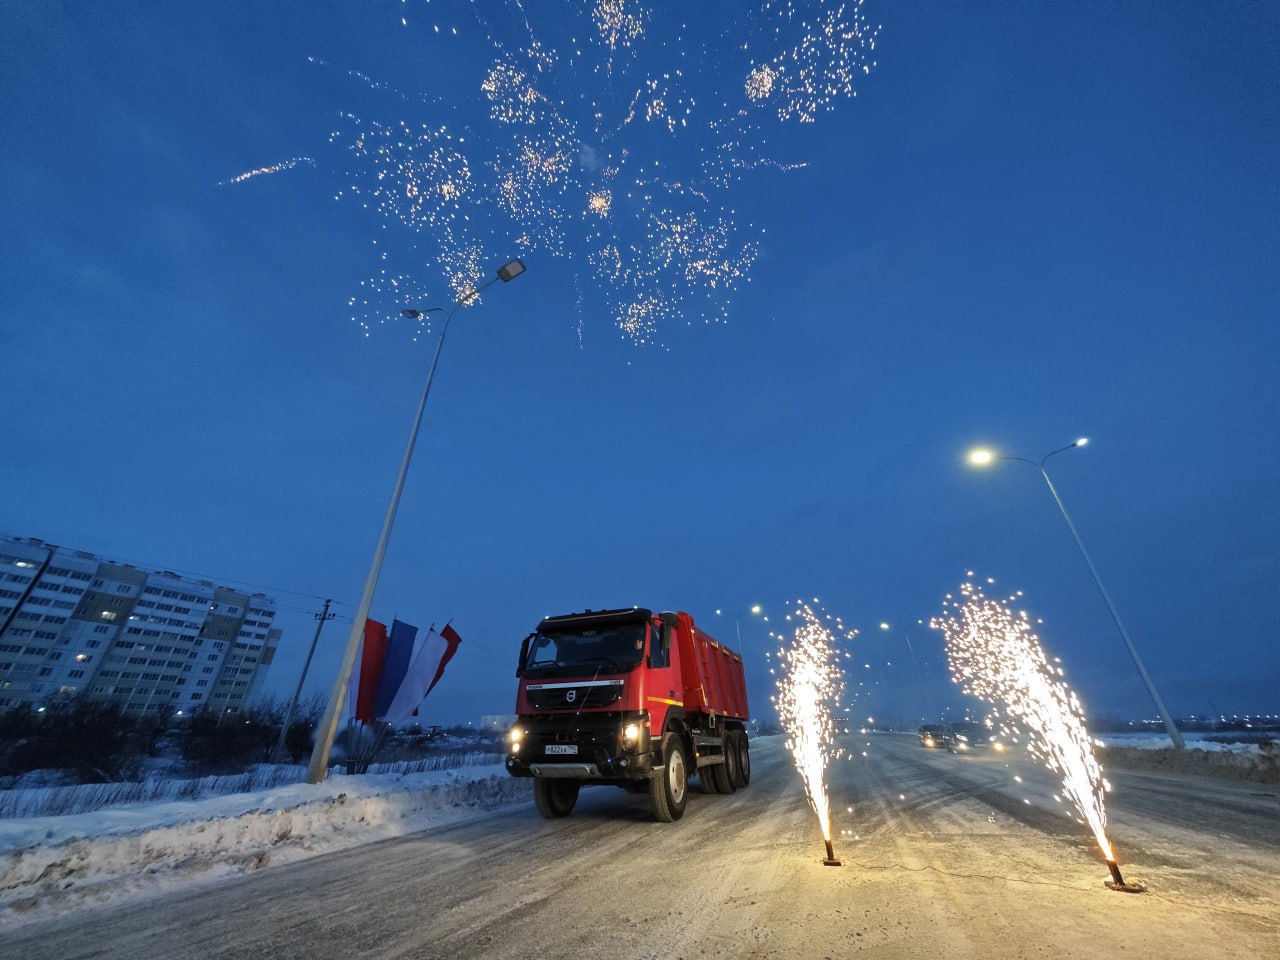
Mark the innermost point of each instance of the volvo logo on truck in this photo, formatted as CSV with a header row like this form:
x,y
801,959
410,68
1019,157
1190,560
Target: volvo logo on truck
x,y
661,701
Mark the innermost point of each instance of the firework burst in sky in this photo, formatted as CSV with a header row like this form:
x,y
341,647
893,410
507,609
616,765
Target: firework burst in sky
x,y
614,134
809,689
996,656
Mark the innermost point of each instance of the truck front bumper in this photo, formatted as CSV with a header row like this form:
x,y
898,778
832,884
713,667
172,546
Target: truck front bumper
x,y
582,747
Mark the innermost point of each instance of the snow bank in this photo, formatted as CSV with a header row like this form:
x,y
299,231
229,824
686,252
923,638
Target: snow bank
x,y
1234,761
27,799
50,864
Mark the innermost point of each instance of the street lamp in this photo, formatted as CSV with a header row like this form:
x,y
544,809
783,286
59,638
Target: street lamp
x,y
983,457
737,622
915,664
329,724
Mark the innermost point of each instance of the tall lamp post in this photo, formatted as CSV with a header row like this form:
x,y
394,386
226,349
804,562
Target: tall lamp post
x,y
914,663
981,458
737,622
329,724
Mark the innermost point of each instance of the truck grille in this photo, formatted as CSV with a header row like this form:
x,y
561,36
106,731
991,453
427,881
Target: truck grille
x,y
574,696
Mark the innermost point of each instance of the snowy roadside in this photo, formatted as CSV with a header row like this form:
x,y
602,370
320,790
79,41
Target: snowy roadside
x,y
52,864
49,865
1205,758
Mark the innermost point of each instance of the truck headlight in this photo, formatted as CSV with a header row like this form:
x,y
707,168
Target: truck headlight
x,y
515,736
631,732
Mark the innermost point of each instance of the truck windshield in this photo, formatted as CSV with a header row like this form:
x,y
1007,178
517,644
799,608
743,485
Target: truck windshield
x,y
611,649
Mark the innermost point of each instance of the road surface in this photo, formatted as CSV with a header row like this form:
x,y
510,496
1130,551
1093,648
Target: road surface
x,y
945,856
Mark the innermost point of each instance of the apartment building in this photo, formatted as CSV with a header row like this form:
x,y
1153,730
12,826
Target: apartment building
x,y
73,623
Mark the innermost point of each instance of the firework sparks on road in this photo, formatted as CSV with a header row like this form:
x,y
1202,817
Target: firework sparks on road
x,y
996,656
809,689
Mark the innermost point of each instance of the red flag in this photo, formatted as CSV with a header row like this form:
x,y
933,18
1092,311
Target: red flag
x,y
451,640
375,651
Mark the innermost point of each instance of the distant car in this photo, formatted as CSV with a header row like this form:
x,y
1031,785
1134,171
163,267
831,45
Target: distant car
x,y
932,735
966,737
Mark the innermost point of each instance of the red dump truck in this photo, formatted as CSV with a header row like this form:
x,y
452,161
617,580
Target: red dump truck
x,y
629,698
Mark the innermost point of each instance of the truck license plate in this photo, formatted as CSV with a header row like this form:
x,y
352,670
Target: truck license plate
x,y
570,748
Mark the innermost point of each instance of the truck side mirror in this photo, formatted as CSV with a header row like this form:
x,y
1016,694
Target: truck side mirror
x,y
524,654
669,623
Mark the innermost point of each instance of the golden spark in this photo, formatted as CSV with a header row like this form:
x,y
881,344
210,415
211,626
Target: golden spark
x,y
808,691
996,656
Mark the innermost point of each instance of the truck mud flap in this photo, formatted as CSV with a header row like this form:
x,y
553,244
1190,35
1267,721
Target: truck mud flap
x,y
701,743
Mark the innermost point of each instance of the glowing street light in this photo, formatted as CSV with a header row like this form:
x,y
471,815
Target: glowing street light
x,y
982,457
737,621
329,723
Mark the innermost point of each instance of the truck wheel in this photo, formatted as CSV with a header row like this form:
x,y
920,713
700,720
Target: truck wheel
x,y
730,765
715,779
744,759
669,787
708,779
555,798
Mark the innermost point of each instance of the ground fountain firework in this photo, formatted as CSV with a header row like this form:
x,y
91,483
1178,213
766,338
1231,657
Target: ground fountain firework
x,y
809,688
996,656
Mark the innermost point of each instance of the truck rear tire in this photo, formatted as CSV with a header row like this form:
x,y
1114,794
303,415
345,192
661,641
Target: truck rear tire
x,y
709,781
669,787
744,759
715,778
730,765
555,798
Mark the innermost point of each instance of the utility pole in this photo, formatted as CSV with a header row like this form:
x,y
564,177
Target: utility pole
x,y
322,616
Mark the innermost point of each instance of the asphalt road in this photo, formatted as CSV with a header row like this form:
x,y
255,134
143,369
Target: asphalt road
x,y
944,856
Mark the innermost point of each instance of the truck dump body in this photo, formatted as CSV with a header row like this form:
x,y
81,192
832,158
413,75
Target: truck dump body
x,y
712,674
631,698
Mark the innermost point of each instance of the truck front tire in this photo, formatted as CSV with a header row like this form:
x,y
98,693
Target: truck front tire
x,y
669,787
555,798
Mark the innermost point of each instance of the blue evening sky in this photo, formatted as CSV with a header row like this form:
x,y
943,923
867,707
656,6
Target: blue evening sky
x,y
1033,222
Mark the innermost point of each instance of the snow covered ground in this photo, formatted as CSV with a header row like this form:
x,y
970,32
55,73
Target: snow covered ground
x,y
54,864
